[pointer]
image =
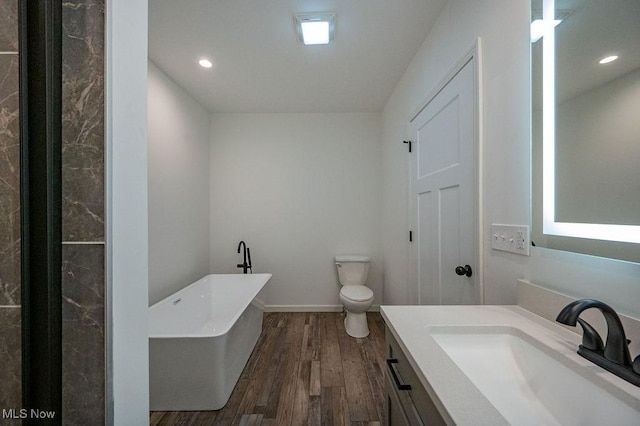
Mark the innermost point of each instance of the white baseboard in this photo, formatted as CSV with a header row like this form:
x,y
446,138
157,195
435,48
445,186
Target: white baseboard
x,y
311,308
303,308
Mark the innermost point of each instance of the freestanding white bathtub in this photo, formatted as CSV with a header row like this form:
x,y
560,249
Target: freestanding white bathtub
x,y
200,339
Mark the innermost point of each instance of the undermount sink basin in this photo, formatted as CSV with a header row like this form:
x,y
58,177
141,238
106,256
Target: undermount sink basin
x,y
531,384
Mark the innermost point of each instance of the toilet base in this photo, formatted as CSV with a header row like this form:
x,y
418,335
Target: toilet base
x,y
356,324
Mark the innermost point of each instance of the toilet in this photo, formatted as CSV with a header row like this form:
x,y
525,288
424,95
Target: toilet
x,y
354,295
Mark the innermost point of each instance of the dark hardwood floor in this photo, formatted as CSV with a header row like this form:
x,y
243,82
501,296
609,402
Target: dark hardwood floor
x,y
304,370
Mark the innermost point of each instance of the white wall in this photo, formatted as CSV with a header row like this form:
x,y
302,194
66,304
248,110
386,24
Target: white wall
x,y
503,29
299,189
127,322
178,129
503,26
598,144
597,133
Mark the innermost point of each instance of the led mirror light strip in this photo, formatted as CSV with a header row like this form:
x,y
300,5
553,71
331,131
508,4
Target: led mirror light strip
x,y
597,231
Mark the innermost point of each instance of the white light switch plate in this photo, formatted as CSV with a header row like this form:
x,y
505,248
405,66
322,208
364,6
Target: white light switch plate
x,y
511,238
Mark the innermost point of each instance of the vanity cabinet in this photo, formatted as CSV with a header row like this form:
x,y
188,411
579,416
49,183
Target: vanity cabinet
x,y
408,403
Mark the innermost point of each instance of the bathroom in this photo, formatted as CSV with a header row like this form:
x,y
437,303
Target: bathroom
x,y
377,222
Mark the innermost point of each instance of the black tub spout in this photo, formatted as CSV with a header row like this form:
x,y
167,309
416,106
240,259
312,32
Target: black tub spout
x,y
244,265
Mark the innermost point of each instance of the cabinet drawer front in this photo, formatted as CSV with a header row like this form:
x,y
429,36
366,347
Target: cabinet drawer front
x,y
415,399
400,409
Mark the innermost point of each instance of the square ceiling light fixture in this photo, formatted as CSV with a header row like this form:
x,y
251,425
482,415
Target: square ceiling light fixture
x,y
315,28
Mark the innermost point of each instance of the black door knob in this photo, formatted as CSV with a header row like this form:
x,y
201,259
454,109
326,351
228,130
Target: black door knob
x,y
464,270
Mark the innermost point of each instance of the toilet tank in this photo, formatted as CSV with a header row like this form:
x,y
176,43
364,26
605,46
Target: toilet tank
x,y
353,269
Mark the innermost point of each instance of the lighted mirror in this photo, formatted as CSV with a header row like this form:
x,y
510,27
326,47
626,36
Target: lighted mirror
x,y
586,126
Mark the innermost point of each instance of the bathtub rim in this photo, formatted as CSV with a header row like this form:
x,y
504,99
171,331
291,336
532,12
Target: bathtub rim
x,y
265,279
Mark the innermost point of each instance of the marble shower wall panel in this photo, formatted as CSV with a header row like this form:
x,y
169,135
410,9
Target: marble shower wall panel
x,y
8,25
83,120
83,334
83,212
10,312
9,156
83,337
10,358
9,181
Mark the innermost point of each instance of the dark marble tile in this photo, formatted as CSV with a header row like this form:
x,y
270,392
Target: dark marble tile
x,y
10,358
83,120
8,25
9,182
83,337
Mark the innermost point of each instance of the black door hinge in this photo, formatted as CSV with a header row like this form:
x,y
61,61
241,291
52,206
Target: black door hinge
x,y
410,236
409,142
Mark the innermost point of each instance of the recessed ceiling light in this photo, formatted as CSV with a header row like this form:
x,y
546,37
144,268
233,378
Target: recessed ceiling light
x,y
608,59
205,63
315,28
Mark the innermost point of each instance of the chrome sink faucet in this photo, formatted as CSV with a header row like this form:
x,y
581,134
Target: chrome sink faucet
x,y
614,355
246,253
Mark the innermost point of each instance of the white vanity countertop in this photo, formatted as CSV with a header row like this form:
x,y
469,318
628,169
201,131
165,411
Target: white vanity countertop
x,y
448,386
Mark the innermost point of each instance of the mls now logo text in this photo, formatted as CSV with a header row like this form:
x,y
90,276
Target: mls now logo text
x,y
33,413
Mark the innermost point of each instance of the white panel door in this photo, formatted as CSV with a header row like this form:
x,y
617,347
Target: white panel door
x,y
443,195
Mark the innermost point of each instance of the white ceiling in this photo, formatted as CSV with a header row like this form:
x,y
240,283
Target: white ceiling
x,y
594,29
259,66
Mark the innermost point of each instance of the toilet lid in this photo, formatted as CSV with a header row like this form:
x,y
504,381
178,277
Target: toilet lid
x,y
357,292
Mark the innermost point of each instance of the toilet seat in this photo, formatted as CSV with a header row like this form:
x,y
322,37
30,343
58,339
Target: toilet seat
x,y
356,293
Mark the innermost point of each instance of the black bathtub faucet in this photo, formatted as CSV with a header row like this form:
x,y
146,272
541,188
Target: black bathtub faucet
x,y
246,254
614,355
